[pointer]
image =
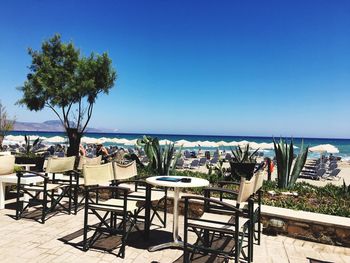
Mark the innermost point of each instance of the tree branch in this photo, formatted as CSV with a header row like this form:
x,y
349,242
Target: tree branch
x,y
53,109
89,113
68,110
79,114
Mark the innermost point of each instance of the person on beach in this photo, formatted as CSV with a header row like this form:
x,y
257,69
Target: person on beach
x,y
100,150
82,151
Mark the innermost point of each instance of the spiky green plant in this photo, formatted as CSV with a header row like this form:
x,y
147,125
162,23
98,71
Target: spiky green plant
x,y
243,155
160,158
288,169
345,189
30,150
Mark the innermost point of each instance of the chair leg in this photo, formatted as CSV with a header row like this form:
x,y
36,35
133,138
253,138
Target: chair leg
x,y
43,214
52,200
69,199
76,188
86,214
259,217
17,202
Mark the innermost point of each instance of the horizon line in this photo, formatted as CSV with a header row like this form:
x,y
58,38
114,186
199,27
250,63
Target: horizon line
x,y
185,134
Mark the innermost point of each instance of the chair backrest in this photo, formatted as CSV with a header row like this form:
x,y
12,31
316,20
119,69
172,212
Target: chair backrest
x,y
7,164
228,156
124,171
332,166
187,154
195,162
259,180
180,162
98,174
320,172
60,165
246,189
202,161
214,160
89,161
335,172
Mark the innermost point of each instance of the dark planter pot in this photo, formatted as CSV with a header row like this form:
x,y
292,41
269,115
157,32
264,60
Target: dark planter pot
x,y
38,161
245,170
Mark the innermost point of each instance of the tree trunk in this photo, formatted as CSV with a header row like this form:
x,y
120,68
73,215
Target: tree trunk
x,y
1,141
74,138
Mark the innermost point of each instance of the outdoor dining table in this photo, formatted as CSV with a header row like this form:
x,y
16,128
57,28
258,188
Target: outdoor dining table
x,y
176,182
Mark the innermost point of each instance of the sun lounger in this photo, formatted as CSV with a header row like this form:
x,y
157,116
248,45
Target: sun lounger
x,y
202,161
333,175
194,164
180,163
214,160
314,175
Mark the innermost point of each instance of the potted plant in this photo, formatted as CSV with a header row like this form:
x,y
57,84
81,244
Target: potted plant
x,y
243,162
31,154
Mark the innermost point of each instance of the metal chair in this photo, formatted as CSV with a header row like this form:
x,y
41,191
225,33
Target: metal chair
x,y
125,175
50,190
64,166
218,234
119,213
83,160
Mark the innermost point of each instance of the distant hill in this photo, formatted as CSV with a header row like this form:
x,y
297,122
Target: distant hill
x,y
50,126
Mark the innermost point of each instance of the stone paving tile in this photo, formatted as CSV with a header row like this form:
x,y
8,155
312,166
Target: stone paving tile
x,y
28,241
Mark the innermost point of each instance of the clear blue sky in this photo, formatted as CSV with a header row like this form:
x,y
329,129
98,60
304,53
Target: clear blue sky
x,y
200,67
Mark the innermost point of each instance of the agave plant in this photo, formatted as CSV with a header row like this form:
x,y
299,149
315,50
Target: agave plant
x,y
345,189
243,155
31,149
160,158
288,169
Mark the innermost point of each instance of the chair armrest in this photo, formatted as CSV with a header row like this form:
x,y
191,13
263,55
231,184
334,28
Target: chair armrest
x,y
222,183
220,190
111,188
130,181
205,199
21,174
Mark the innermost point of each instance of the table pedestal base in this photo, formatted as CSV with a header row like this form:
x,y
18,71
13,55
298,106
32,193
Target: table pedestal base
x,y
178,244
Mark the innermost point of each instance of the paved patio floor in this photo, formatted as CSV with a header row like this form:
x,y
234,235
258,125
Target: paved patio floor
x,y
58,241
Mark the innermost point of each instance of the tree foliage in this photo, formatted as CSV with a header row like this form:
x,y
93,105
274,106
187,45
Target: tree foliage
x,y
6,124
66,82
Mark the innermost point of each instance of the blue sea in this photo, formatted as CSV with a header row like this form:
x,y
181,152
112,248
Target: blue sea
x,y
343,145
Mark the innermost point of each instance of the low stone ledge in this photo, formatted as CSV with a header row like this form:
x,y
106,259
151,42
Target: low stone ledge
x,y
327,229
321,228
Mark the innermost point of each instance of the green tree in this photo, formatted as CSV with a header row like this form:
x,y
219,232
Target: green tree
x,y
68,83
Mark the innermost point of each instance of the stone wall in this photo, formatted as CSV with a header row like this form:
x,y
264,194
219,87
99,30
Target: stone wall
x,y
326,234
273,225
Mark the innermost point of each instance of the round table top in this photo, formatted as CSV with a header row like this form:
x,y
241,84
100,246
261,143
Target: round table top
x,y
195,182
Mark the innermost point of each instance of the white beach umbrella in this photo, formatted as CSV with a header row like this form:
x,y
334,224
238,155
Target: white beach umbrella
x,y
181,143
324,148
266,146
89,140
14,138
223,143
164,142
55,139
131,142
233,144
